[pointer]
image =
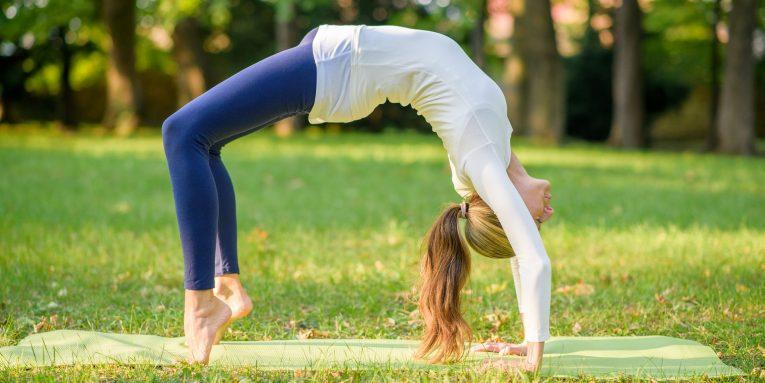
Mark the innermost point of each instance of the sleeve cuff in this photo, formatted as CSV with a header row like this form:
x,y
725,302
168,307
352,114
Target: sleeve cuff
x,y
537,337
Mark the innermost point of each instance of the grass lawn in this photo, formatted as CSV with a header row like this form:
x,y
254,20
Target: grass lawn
x,y
329,231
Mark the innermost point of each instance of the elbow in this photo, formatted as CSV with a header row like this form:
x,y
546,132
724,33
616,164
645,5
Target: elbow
x,y
541,266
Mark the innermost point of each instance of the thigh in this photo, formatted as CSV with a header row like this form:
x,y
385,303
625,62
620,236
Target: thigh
x,y
280,85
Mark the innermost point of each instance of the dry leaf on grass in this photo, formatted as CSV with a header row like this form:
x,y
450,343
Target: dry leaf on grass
x,y
578,289
496,319
662,296
49,323
312,334
257,235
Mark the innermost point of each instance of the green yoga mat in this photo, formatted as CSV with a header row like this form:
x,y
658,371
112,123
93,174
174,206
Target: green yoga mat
x,y
656,357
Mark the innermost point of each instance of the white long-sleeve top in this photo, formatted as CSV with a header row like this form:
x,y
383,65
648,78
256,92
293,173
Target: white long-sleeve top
x,y
360,67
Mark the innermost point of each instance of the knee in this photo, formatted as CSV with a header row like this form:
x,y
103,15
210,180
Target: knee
x,y
169,129
178,132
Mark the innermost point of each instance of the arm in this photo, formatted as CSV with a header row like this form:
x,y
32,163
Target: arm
x,y
491,181
516,169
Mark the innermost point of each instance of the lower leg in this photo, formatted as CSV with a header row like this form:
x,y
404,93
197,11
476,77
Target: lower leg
x,y
226,259
228,287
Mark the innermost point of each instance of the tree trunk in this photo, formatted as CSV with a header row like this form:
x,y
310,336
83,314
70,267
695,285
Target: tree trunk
x,y
477,36
12,78
121,81
545,95
514,78
6,115
285,12
713,139
65,105
736,109
627,124
188,53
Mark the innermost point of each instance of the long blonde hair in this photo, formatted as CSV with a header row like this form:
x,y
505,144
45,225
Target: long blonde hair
x,y
445,268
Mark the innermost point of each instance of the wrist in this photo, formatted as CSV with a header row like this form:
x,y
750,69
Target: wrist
x,y
517,173
534,351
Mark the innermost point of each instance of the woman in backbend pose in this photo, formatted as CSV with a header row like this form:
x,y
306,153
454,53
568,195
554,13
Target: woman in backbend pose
x,y
340,74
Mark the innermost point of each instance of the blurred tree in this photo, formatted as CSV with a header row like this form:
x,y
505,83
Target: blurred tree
x,y
736,107
189,22
65,105
122,95
478,35
29,30
588,87
541,85
627,125
189,56
514,76
713,139
284,15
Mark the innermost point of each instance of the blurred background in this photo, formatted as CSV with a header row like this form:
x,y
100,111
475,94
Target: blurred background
x,y
637,74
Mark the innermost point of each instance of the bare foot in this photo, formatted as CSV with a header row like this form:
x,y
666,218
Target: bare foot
x,y
229,289
204,315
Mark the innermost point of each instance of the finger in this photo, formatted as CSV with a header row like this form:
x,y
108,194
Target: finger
x,y
548,212
514,349
486,347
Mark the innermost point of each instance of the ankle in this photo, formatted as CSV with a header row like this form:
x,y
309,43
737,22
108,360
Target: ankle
x,y
227,284
200,302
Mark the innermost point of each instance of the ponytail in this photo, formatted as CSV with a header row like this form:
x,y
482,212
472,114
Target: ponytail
x,y
445,268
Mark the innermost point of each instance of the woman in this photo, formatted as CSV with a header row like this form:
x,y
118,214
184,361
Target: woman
x,y
340,74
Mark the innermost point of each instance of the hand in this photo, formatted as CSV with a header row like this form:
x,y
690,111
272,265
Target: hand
x,y
501,348
537,197
534,191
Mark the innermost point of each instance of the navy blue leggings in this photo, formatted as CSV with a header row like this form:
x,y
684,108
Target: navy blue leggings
x,y
278,86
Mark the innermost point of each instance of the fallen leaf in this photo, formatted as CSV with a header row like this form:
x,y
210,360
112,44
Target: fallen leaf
x,y
496,319
312,334
40,325
257,235
578,289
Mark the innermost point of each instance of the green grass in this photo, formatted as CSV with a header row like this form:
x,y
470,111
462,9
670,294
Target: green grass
x,y
330,226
